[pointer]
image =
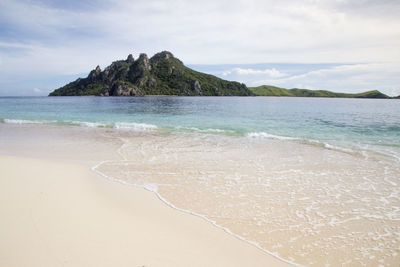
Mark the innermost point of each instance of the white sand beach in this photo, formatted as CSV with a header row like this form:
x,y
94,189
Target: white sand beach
x,y
58,213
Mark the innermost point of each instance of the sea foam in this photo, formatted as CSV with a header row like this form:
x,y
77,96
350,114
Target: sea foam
x,y
18,121
89,124
208,130
269,136
135,126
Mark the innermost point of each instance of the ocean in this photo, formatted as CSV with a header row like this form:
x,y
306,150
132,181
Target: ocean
x,y
313,181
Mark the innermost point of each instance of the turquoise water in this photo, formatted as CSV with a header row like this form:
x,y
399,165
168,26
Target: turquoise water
x,y
361,123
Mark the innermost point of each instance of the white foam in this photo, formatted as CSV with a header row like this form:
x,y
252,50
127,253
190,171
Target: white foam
x,y
16,121
338,148
333,147
269,136
151,187
89,124
135,126
209,130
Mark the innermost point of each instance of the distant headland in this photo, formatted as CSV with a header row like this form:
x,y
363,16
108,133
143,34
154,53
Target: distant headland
x,y
164,74
268,90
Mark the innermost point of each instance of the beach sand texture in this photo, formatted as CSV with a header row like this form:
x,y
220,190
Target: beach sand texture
x,y
59,208
62,214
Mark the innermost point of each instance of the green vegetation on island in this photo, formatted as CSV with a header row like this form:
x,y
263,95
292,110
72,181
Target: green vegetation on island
x,y
163,74
267,90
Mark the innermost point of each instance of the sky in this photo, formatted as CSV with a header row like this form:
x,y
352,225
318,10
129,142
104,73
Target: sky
x,y
342,45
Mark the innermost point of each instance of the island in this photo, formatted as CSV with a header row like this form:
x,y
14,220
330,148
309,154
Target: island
x,y
268,90
164,74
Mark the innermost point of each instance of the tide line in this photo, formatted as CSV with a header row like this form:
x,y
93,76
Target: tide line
x,y
153,188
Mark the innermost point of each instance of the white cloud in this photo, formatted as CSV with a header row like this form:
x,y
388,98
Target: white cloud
x,y
51,40
217,31
273,73
345,78
36,90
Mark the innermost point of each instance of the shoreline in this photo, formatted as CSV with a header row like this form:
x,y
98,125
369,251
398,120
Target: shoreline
x,y
163,164
66,215
189,212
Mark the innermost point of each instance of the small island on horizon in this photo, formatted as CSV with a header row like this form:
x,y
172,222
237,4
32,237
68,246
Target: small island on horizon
x,y
164,74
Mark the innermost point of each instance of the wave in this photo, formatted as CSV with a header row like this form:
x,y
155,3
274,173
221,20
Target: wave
x,y
119,125
135,126
209,130
144,127
75,123
89,124
339,148
262,135
17,121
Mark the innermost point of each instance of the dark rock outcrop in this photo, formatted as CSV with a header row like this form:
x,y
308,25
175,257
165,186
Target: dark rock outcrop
x,y
130,59
94,74
124,89
197,88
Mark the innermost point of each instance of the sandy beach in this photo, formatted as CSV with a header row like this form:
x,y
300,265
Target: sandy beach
x,y
62,214
76,196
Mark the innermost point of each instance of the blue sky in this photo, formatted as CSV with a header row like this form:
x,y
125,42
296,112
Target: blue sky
x,y
342,45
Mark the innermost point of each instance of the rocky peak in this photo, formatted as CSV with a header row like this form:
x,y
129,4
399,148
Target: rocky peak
x,y
95,73
144,62
130,59
162,55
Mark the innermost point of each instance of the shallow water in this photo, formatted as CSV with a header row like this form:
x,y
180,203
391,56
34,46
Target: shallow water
x,y
312,181
361,122
304,203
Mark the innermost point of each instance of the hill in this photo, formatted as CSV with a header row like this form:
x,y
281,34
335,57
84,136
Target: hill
x,y
162,74
267,90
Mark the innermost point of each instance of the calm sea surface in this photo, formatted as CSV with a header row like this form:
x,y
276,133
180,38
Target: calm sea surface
x,y
314,181
358,122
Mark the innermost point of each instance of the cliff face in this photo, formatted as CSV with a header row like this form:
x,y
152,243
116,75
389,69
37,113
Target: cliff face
x,y
163,74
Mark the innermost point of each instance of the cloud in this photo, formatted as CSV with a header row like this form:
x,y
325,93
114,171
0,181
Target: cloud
x,y
211,31
36,90
52,38
273,73
345,78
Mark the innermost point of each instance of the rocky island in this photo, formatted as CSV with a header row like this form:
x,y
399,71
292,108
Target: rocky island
x,y
164,74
